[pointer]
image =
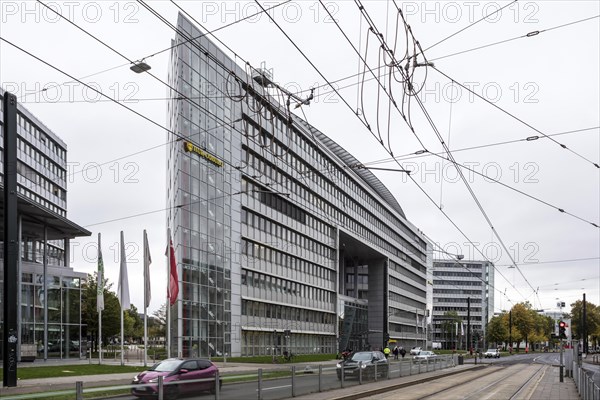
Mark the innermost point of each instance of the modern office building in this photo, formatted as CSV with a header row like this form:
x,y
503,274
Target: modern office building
x,y
458,286
50,291
282,243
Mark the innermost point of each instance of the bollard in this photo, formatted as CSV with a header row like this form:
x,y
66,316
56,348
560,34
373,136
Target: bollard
x,y
375,374
360,373
259,391
161,388
342,380
217,385
79,390
320,373
293,381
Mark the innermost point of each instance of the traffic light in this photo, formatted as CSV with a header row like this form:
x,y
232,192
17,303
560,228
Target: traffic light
x,y
562,329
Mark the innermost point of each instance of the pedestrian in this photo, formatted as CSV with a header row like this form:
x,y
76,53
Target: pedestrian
x,y
386,351
396,352
402,352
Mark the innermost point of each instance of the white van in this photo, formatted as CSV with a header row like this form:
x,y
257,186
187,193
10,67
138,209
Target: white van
x,y
436,345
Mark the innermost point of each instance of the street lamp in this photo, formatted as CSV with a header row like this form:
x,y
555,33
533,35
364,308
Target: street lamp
x,y
139,66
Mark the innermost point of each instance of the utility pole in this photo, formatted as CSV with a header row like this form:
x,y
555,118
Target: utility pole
x,y
584,327
469,326
11,243
510,331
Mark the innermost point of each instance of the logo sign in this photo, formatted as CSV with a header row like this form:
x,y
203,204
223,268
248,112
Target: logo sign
x,y
192,148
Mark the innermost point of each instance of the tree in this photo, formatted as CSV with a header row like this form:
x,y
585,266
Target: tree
x,y
89,314
449,324
497,329
157,326
523,318
592,320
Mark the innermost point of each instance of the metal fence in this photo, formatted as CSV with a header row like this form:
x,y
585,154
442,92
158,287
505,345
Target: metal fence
x,y
587,388
297,379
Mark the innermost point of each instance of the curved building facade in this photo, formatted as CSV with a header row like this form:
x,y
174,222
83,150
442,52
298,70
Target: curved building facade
x,y
283,242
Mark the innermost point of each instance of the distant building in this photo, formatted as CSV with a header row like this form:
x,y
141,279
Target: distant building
x,y
282,243
454,285
50,291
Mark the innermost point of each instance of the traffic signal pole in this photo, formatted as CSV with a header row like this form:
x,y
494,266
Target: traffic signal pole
x,y
562,347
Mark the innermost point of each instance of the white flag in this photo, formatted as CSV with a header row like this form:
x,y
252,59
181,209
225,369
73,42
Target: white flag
x,y
462,328
147,262
100,282
123,288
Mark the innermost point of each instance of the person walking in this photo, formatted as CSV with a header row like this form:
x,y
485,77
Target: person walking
x,y
402,352
396,352
386,351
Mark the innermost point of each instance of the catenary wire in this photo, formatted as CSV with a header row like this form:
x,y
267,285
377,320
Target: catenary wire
x,y
527,35
595,164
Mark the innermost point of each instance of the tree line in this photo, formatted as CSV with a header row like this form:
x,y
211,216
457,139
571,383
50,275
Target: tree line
x,y
133,323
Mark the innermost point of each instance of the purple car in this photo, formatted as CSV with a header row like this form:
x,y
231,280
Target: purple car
x,y
180,377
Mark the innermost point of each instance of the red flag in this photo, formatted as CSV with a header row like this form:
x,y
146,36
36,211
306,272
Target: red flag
x,y
173,289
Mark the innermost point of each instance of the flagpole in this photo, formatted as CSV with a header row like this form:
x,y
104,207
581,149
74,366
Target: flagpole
x,y
146,252
168,304
123,291
100,292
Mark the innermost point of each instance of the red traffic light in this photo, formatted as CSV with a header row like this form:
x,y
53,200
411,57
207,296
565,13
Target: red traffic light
x,y
562,324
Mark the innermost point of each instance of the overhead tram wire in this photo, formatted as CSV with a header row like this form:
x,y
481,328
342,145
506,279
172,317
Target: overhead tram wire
x,y
364,61
456,164
350,107
316,69
180,137
436,131
458,261
168,48
466,27
595,164
420,154
527,35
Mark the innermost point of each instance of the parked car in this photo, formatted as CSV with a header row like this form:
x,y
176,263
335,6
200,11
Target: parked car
x,y
492,353
365,360
425,355
180,377
414,351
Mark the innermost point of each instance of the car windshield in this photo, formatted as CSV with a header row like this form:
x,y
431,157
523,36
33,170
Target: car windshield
x,y
361,357
166,366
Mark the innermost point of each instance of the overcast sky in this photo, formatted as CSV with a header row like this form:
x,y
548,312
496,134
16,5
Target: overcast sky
x,y
549,80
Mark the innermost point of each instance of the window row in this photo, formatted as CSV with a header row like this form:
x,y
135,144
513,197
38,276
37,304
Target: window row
x,y
305,170
278,285
460,273
406,301
41,160
279,231
336,174
461,309
457,291
251,250
405,287
30,128
267,310
456,300
446,282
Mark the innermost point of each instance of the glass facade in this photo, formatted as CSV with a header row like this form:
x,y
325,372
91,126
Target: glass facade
x,y
52,306
258,201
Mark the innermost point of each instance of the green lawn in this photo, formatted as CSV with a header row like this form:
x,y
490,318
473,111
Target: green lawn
x,y
72,370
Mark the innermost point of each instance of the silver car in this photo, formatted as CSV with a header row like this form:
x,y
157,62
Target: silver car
x,y
425,355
